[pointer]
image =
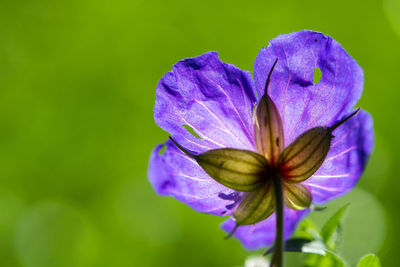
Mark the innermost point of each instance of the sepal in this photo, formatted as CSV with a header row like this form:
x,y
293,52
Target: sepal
x,y
305,155
268,130
240,170
268,126
296,196
256,206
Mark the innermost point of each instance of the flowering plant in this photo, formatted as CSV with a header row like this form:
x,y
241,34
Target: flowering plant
x,y
266,150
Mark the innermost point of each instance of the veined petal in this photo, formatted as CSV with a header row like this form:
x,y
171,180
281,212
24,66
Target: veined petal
x,y
346,160
268,130
256,206
215,99
296,196
301,103
173,173
262,234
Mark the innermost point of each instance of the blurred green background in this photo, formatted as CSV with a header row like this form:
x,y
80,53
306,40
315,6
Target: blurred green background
x,y
77,89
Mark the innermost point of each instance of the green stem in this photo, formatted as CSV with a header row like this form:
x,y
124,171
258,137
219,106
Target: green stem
x,y
277,259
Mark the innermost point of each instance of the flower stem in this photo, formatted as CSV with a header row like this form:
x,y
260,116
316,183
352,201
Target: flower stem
x,y
277,260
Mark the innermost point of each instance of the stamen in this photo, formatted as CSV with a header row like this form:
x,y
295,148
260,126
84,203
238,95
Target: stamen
x,y
184,150
269,77
233,231
333,127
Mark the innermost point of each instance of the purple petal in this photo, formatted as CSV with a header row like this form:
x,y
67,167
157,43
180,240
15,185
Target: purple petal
x,y
173,173
346,159
262,234
303,104
214,98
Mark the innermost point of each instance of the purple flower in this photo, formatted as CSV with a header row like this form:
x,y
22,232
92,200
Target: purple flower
x,y
219,102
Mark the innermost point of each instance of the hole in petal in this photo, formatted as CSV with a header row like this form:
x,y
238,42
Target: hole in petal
x,y
317,75
162,150
191,131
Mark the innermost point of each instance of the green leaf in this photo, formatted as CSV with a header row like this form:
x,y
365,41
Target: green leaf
x,y
331,259
303,245
369,260
308,230
317,253
331,231
336,260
